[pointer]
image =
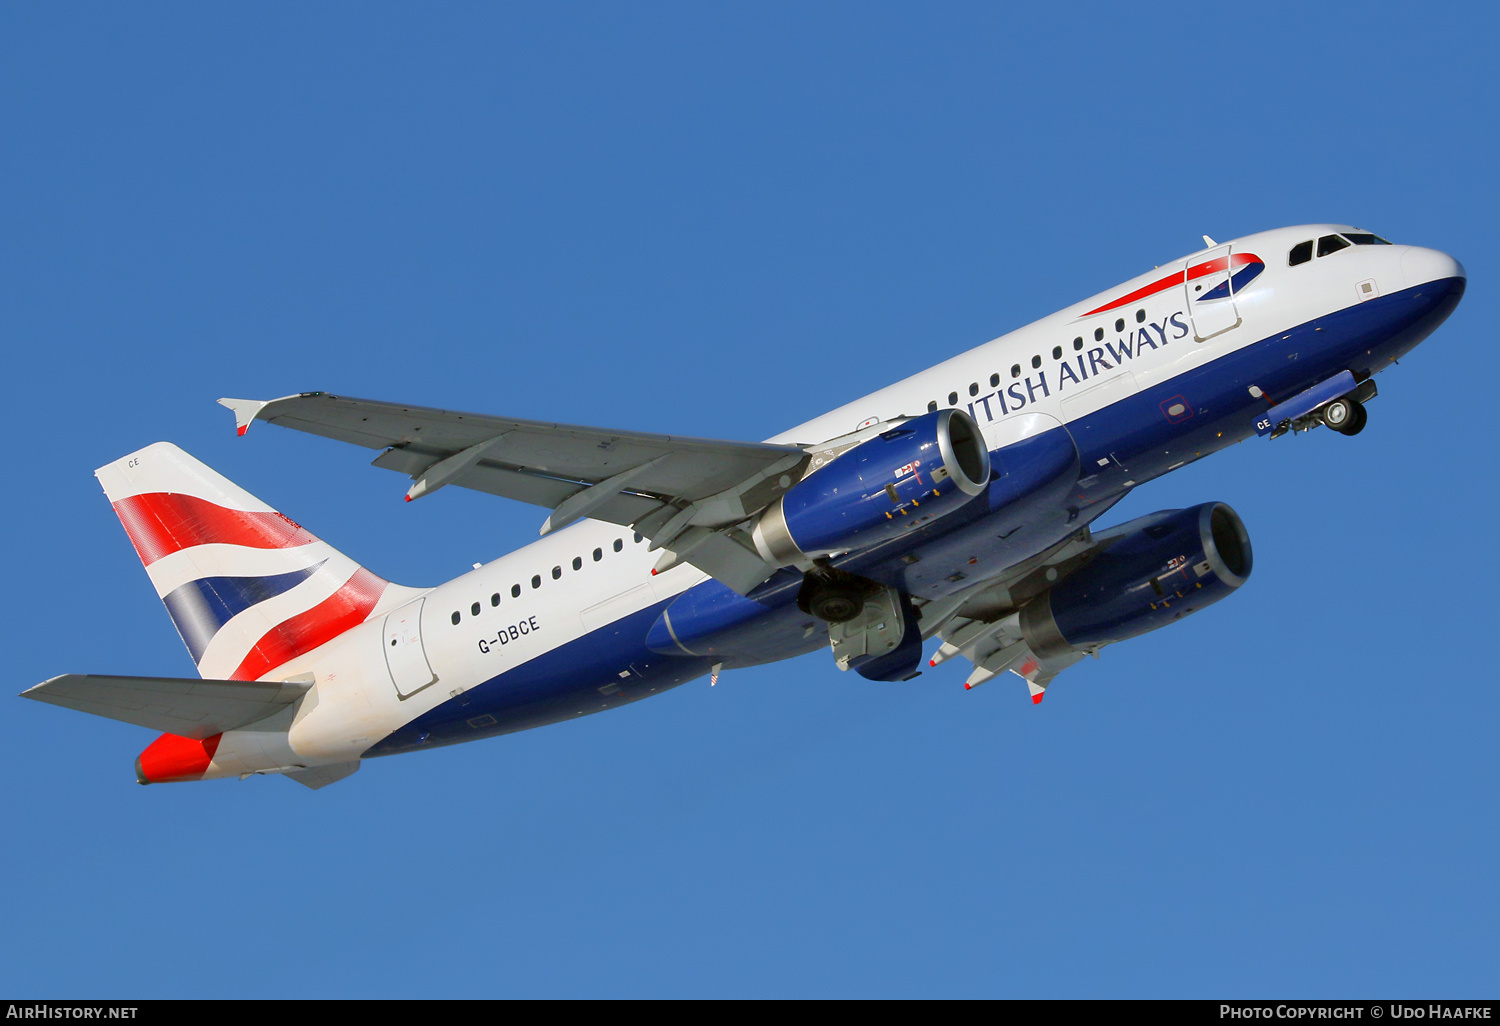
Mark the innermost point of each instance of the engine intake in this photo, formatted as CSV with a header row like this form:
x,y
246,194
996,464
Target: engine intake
x,y
901,479
1173,564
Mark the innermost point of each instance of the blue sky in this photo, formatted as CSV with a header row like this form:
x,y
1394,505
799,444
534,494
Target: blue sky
x,y
720,220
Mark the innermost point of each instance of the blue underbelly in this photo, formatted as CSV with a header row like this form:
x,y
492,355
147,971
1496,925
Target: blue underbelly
x,y
1131,441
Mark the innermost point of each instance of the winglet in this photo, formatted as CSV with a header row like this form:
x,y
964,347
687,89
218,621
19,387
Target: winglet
x,y
244,411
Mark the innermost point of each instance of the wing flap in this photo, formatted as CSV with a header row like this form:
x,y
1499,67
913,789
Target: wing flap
x,y
187,707
984,626
726,560
669,488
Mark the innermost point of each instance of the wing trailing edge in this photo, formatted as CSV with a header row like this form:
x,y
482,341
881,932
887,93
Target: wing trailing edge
x,y
690,496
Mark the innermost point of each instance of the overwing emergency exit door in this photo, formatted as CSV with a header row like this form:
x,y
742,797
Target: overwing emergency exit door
x,y
404,655
1210,295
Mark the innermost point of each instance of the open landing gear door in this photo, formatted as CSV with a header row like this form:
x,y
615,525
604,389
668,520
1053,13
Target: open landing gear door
x,y
882,642
1210,293
404,654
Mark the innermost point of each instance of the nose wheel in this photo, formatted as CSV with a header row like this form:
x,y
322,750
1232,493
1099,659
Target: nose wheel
x,y
1345,415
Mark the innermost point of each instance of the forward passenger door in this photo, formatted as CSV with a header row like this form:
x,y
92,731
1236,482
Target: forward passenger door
x,y
1210,297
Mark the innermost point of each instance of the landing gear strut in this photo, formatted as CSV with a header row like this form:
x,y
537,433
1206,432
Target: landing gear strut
x,y
833,595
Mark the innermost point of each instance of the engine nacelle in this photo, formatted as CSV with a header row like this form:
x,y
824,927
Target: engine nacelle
x,y
1173,564
901,479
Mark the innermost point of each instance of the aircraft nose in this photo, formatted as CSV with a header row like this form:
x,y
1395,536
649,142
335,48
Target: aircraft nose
x,y
1420,266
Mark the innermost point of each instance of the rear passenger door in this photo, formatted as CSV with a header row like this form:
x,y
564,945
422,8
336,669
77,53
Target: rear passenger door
x,y
405,656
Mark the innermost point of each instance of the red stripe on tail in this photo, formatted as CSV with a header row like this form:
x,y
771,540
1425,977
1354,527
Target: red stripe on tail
x,y
161,523
348,607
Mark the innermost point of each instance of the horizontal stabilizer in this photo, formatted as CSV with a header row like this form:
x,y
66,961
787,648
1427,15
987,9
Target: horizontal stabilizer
x,y
187,707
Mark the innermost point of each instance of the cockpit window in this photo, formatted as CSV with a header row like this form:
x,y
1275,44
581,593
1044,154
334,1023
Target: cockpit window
x,y
1365,239
1301,254
1331,244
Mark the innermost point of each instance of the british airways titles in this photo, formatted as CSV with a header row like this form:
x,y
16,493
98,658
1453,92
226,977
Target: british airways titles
x,y
1072,371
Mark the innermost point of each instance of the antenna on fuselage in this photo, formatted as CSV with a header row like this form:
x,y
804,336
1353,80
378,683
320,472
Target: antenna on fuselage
x,y
1209,242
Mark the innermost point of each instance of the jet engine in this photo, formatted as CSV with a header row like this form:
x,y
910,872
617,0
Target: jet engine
x,y
901,479
1172,564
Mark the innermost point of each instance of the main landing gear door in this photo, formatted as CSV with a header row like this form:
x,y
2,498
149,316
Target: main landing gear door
x,y
1210,297
404,655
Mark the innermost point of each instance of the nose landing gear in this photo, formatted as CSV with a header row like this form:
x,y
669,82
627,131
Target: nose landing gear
x,y
1345,415
1337,402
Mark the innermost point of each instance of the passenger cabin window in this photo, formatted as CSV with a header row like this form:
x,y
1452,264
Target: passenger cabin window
x,y
974,388
952,398
619,545
1098,334
556,572
638,537
1057,352
1140,316
515,591
1036,361
457,616
577,562
994,380
1078,343
1365,239
1015,371
1331,244
932,406
1120,324
598,555
495,599
474,609
1301,253
536,582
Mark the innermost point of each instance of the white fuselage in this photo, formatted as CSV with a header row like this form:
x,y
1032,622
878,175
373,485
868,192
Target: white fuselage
x,y
550,594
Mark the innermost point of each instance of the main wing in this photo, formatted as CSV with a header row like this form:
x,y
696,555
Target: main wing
x,y
985,624
689,496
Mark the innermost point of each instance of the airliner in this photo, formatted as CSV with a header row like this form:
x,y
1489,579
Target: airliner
x,y
958,507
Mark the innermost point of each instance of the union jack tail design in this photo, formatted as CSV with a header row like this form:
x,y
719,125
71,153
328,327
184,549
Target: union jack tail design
x,y
249,589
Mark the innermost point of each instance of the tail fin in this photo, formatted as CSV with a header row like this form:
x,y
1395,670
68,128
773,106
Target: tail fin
x,y
248,589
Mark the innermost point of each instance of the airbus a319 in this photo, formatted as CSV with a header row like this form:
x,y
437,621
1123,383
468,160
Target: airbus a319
x,y
956,507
